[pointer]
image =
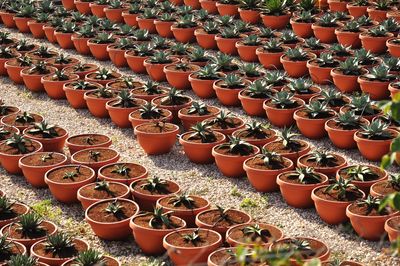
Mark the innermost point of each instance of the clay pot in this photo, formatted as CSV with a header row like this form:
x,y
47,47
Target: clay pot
x,y
164,28
390,228
348,38
98,10
331,211
55,88
393,90
189,120
82,72
297,194
356,11
55,144
156,143
341,138
115,14
99,50
96,165
370,227
34,174
66,191
227,9
75,97
324,34
197,152
276,22
120,115
270,60
97,106
376,45
20,208
393,48
89,141
146,23
183,35
55,261
80,44
264,180
246,52
181,256
320,75
83,7
22,24
346,83
292,155
36,28
177,78
135,62
13,69
8,19
33,82
233,240
135,120
231,165
296,69
156,71
281,117
311,128
377,90
373,150
227,45
116,230
209,5
228,96
301,29
203,88
330,171
204,39
130,19
117,56
64,39
173,108
139,172
376,14
49,32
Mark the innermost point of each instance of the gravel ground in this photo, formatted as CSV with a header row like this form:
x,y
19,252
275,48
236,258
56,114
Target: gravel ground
x,y
201,180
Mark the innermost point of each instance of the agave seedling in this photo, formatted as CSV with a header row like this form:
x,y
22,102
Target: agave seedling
x,y
232,81
275,78
160,219
20,143
296,54
44,129
372,204
141,35
126,100
224,62
305,17
313,44
273,46
182,200
143,49
256,130
327,20
186,21
115,209
348,120
288,37
255,232
275,7
30,226
365,57
22,260
150,111
155,185
208,72
380,73
6,52
203,132
238,147
160,57
322,158
198,108
343,188
103,92
83,85
300,86
103,38
270,159
174,97
89,257
39,68
332,97
223,120
250,69
198,55
60,245
376,130
104,186
361,105
259,90
104,74
350,67
72,174
283,100
193,238
6,207
305,175
288,138
6,247
317,110
122,170
5,38
361,173
230,33
225,21
211,27
326,60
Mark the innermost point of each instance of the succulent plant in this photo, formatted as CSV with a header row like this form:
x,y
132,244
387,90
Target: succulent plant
x,y
89,257
44,129
150,111
297,54
258,89
19,142
238,147
160,219
182,200
203,132
327,20
376,130
283,100
223,120
59,244
343,188
274,7
350,67
317,110
305,175
19,260
348,120
380,73
155,185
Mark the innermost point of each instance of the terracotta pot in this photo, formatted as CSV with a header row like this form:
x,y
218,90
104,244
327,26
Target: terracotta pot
x,y
55,88
179,79
83,7
250,15
269,60
296,69
135,121
195,4
164,28
246,52
135,62
290,155
393,48
10,161
119,115
55,144
274,231
337,6
90,68
3,61
281,117
228,96
330,171
227,45
117,56
142,173
80,44
34,174
376,45
209,5
393,90
376,14
232,165
189,120
75,147
264,180
183,35
33,82
66,192
22,24
156,143
392,232
200,153
377,90
115,14
205,40
96,106
118,230
108,259
298,195
311,128
341,138
394,14
191,255
348,38
147,24
227,9
330,211
36,28
276,22
346,83
99,50
356,11
203,88
324,34
8,19
173,108
156,71
68,4
98,10
252,106
186,214
51,260
24,209
130,19
14,71
301,29
373,150
368,227
150,240
64,39
97,164
49,32
318,74
75,97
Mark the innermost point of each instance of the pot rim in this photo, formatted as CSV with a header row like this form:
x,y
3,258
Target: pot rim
x,y
358,139
332,201
47,180
326,178
184,210
350,213
110,182
32,252
29,239
133,224
192,229
21,155
86,134
110,223
97,148
21,164
267,225
181,139
255,152
137,130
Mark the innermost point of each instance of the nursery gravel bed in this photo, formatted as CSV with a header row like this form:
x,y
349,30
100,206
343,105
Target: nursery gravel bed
x,y
197,179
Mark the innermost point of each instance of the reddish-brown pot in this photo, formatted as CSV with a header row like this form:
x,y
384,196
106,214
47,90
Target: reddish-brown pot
x,y
36,28
373,150
98,10
209,5
179,79
341,138
227,45
83,7
115,14
183,35
33,82
270,60
55,144
119,115
64,39
49,32
146,23
130,19
164,28
276,22
117,56
80,44
205,40
311,128
376,45
99,50
296,69
324,34
281,117
390,228
75,97
96,165
156,71
22,24
96,140
346,83
55,88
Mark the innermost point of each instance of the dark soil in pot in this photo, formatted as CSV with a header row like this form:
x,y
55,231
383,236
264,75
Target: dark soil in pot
x,y
59,174
115,190
258,163
90,139
42,160
169,188
30,147
40,249
336,161
333,195
135,170
98,212
153,128
85,156
144,220
385,188
213,217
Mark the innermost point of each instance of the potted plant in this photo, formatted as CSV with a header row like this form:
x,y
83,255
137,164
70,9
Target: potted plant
x,y
6,53
314,46
83,141
289,38
378,10
8,13
95,157
32,75
294,62
96,101
320,68
80,38
263,169
116,51
23,15
191,245
103,76
82,69
256,133
62,61
136,56
392,228
302,24
75,90
50,27
250,10
270,53
196,113
296,185
173,101
288,146
341,129
57,249
376,135
54,83
374,40
23,47
29,229
334,98
97,7
21,120
205,35
149,90
64,33
130,15
149,113
10,249
376,82
7,131
228,88
324,162
346,74
155,65
11,211
98,45
253,234
225,122
42,53
254,95
114,11
230,156
51,137
177,74
368,218
251,71
14,148
385,187
357,8
221,219
225,63
14,67
332,200
311,119
202,81
146,19
275,14
34,166
184,27
349,34
226,40
150,228
362,106
247,48
91,257
324,28
393,46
